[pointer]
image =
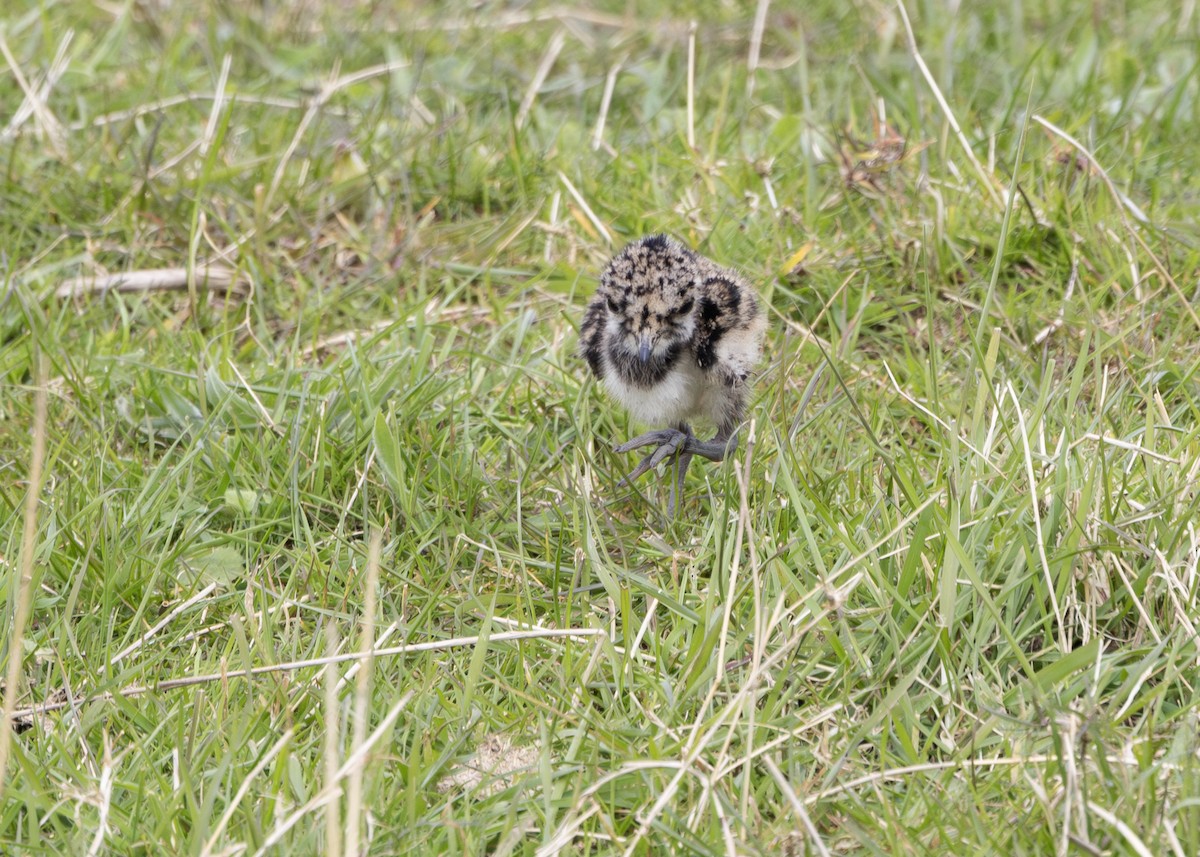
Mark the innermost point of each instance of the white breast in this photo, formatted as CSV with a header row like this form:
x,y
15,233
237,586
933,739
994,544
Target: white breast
x,y
676,398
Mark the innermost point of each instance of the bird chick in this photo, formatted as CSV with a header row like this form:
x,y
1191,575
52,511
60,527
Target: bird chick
x,y
673,337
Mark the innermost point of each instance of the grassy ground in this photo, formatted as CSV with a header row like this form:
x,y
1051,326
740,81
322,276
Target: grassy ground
x,y
944,601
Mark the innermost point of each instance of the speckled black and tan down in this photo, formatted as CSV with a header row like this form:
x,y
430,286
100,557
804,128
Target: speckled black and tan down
x,y
702,325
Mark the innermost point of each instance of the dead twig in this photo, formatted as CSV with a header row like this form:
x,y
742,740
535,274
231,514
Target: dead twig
x,y
214,278
292,666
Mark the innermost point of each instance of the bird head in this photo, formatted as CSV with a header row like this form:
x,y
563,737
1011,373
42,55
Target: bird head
x,y
650,290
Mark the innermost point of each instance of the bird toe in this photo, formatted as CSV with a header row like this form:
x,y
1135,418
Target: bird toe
x,y
660,437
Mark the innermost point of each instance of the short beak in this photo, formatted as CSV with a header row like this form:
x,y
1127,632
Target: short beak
x,y
644,349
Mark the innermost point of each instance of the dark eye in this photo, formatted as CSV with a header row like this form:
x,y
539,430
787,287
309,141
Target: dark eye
x,y
685,307
612,305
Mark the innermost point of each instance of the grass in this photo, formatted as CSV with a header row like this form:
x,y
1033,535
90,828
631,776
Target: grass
x,y
943,601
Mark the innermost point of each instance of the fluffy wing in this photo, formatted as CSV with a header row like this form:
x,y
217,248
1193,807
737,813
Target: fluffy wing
x,y
720,310
591,336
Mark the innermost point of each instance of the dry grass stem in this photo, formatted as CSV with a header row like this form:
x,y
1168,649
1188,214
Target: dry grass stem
x,y
216,278
22,587
292,666
356,821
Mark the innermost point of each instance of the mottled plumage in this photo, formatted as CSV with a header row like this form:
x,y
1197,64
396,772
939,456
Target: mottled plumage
x,y
674,337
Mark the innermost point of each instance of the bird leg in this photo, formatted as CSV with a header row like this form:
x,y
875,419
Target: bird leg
x,y
681,466
681,443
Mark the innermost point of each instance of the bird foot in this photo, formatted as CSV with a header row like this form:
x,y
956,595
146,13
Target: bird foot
x,y
678,442
670,442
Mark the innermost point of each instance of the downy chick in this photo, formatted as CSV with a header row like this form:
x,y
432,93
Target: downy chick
x,y
674,337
